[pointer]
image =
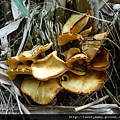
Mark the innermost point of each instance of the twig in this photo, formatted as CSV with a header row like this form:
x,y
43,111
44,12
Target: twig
x,y
90,104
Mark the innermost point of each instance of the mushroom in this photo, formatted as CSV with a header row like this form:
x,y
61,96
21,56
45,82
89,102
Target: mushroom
x,y
86,84
101,61
91,47
77,72
48,67
32,54
77,58
67,37
79,25
85,32
70,53
71,21
75,23
13,62
40,92
21,69
28,55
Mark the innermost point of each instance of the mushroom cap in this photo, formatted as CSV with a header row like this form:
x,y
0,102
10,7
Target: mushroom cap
x,y
85,32
67,37
40,92
70,53
27,55
77,58
90,50
101,36
86,84
71,21
80,24
91,47
31,54
13,62
48,67
101,61
77,72
21,69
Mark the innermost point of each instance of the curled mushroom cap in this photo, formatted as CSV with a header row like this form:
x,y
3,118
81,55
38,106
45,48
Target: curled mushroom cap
x,y
31,54
77,58
70,53
87,31
21,69
76,23
71,21
67,37
27,55
88,83
48,67
101,61
91,47
13,62
79,25
40,92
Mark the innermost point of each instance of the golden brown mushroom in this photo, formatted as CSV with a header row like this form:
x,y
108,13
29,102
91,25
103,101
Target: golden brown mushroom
x,y
86,32
91,47
71,21
101,61
88,83
48,67
13,62
79,25
21,69
77,72
77,58
75,23
70,53
67,37
40,92
32,54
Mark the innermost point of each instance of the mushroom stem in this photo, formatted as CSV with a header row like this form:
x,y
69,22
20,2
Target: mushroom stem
x,y
90,104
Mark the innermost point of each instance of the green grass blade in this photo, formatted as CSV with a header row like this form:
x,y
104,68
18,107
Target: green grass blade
x,y
22,8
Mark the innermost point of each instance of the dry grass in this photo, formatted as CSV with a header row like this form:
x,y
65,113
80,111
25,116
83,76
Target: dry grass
x,y
40,30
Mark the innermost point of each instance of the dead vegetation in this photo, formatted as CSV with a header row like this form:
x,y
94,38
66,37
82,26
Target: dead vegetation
x,y
20,33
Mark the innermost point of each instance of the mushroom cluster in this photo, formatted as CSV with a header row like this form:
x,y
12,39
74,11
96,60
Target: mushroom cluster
x,y
86,59
80,70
